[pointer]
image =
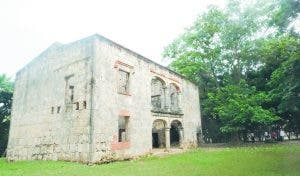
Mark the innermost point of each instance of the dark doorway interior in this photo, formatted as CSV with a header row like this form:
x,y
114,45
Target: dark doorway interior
x,y
174,136
158,134
155,143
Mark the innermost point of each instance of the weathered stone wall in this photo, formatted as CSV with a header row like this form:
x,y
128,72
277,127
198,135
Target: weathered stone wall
x,y
37,132
91,65
109,104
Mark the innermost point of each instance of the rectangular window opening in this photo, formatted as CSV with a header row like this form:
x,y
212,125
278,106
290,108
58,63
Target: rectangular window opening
x,y
58,109
71,89
77,105
84,104
123,82
123,129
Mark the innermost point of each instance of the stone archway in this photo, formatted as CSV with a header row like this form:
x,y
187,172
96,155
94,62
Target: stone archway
x,y
176,133
158,134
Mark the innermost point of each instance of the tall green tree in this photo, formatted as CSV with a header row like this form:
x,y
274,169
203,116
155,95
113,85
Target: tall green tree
x,y
196,54
6,92
223,52
239,108
285,92
198,50
278,75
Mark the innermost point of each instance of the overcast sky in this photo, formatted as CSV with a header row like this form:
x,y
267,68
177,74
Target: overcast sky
x,y
28,27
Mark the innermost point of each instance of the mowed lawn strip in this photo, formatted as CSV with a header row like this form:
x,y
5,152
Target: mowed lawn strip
x,y
265,160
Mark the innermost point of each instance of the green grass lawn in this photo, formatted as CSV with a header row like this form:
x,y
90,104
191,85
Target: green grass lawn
x,y
263,161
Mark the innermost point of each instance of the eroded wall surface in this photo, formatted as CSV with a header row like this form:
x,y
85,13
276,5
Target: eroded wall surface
x,y
110,105
45,124
67,104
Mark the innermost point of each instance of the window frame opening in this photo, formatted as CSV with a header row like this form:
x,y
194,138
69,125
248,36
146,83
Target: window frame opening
x,y
52,110
71,89
123,82
84,104
76,105
58,109
123,130
158,93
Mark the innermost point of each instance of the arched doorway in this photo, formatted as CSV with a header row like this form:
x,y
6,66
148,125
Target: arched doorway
x,y
158,134
175,133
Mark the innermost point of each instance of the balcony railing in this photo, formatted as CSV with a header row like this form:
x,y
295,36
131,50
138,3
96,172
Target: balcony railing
x,y
175,111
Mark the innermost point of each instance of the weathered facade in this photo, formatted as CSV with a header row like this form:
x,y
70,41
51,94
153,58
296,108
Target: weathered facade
x,y
93,100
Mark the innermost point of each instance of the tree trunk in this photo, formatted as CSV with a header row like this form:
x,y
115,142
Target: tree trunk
x,y
245,138
235,138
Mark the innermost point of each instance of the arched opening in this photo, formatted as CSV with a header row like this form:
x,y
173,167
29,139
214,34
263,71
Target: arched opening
x,y
175,133
157,93
158,134
174,97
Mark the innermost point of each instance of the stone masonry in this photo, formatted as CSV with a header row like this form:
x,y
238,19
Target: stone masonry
x,y
94,100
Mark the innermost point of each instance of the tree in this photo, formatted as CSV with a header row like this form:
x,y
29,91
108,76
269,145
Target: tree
x,y
285,12
285,92
197,51
278,76
196,54
6,92
223,53
239,107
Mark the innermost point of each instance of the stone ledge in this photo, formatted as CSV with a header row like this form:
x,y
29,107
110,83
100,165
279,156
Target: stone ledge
x,y
167,114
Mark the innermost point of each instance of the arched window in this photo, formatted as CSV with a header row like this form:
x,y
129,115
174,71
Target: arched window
x,y
157,93
174,101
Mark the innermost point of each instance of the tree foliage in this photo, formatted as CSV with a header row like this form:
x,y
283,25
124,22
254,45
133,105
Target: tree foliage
x,y
239,106
6,92
285,92
285,12
238,57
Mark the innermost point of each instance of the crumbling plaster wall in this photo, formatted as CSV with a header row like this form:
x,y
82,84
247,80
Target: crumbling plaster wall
x,y
109,104
35,132
94,62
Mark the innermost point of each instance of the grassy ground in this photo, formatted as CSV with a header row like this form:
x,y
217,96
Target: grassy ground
x,y
267,160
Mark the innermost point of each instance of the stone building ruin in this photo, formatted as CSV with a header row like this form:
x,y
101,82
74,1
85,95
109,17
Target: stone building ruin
x,y
94,100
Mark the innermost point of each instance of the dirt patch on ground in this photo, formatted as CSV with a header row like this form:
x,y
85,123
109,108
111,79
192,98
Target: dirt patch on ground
x,y
164,152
